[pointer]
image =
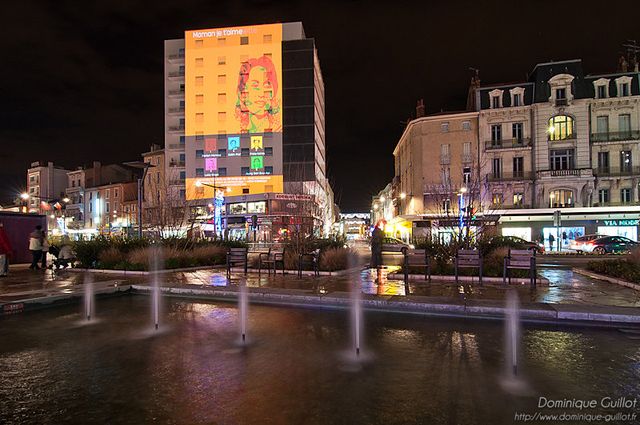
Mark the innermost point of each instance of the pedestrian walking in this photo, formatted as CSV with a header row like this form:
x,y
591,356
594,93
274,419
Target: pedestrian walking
x,y
35,246
552,239
5,252
376,247
45,249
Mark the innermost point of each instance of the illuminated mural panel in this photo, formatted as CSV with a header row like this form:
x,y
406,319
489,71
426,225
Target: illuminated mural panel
x,y
233,95
234,185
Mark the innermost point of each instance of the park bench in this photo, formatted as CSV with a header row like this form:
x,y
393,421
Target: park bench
x,y
468,259
271,259
237,257
417,258
310,259
520,259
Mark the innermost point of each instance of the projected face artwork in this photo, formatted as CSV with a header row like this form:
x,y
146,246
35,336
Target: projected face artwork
x,y
258,107
257,163
234,143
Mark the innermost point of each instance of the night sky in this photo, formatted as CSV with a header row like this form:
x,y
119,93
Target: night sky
x,y
83,81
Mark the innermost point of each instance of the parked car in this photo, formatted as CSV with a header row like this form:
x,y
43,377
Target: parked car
x,y
580,243
395,245
610,244
517,243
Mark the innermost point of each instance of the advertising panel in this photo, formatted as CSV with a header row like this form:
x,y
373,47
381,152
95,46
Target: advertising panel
x,y
233,185
233,97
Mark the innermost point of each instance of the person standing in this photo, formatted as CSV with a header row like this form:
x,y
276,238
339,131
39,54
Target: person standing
x,y
552,239
35,246
45,249
5,251
376,247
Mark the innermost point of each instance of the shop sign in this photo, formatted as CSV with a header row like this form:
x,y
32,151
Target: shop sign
x,y
629,222
292,197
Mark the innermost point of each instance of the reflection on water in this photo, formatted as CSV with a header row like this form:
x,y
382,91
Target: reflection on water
x,y
423,370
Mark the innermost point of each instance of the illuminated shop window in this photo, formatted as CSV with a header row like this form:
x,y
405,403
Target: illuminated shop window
x,y
561,128
561,198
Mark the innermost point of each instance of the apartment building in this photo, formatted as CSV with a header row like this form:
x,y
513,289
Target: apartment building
x,y
46,184
111,208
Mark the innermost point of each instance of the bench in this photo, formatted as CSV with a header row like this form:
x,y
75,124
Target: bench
x,y
237,257
417,258
468,259
309,259
271,259
520,259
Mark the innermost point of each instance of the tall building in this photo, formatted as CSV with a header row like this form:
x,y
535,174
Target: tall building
x,y
46,184
244,123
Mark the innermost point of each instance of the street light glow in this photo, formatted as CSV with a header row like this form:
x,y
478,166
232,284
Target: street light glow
x,y
403,195
66,200
382,198
198,183
24,196
463,190
375,206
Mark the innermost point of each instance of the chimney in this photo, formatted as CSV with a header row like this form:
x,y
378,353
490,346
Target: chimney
x,y
420,108
473,86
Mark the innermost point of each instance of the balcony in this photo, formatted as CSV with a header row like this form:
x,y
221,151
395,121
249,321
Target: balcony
x,y
176,128
508,144
504,177
574,172
176,164
176,58
176,93
467,158
561,102
176,75
177,110
445,159
176,146
617,171
176,182
615,136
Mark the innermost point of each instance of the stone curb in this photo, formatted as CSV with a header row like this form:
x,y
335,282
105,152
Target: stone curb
x,y
606,278
142,272
535,312
473,279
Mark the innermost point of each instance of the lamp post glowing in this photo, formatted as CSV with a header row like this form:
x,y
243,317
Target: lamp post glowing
x,y
218,202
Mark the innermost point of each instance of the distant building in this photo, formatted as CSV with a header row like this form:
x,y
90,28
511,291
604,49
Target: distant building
x,y
46,184
111,208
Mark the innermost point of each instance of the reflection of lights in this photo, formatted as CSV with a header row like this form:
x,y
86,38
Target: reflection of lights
x,y
382,198
52,216
375,206
403,195
551,129
66,200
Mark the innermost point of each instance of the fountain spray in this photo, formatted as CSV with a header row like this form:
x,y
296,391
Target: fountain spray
x,y
512,331
88,297
243,306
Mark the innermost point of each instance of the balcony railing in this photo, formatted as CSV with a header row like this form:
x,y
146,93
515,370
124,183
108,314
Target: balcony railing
x,y
176,92
524,175
177,109
577,172
176,74
568,137
176,164
508,143
467,158
177,146
445,159
562,102
176,182
178,57
617,172
615,136
176,128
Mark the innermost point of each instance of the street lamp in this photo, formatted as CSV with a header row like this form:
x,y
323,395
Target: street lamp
x,y
403,195
145,167
215,196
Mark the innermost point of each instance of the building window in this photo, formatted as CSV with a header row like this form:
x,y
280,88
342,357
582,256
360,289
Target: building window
x,y
183,194
183,175
244,152
495,102
602,92
222,98
199,153
561,159
222,116
222,79
244,171
106,206
496,135
222,60
445,176
182,139
444,127
266,38
602,124
603,196
624,90
268,170
446,206
466,125
445,158
200,138
496,168
222,153
625,195
517,99
107,193
626,165
516,131
466,175
222,41
199,172
518,166
561,198
561,93
199,62
496,199
561,127
268,151
603,162
518,199
222,171
199,43
244,41
624,126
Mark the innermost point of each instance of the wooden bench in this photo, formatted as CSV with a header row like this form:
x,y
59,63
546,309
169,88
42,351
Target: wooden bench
x,y
237,257
417,258
468,259
520,259
271,259
309,259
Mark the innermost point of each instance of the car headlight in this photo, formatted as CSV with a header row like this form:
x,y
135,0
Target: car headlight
x,y
411,246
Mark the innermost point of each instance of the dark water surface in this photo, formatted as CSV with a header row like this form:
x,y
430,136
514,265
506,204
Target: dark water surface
x,y
421,370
